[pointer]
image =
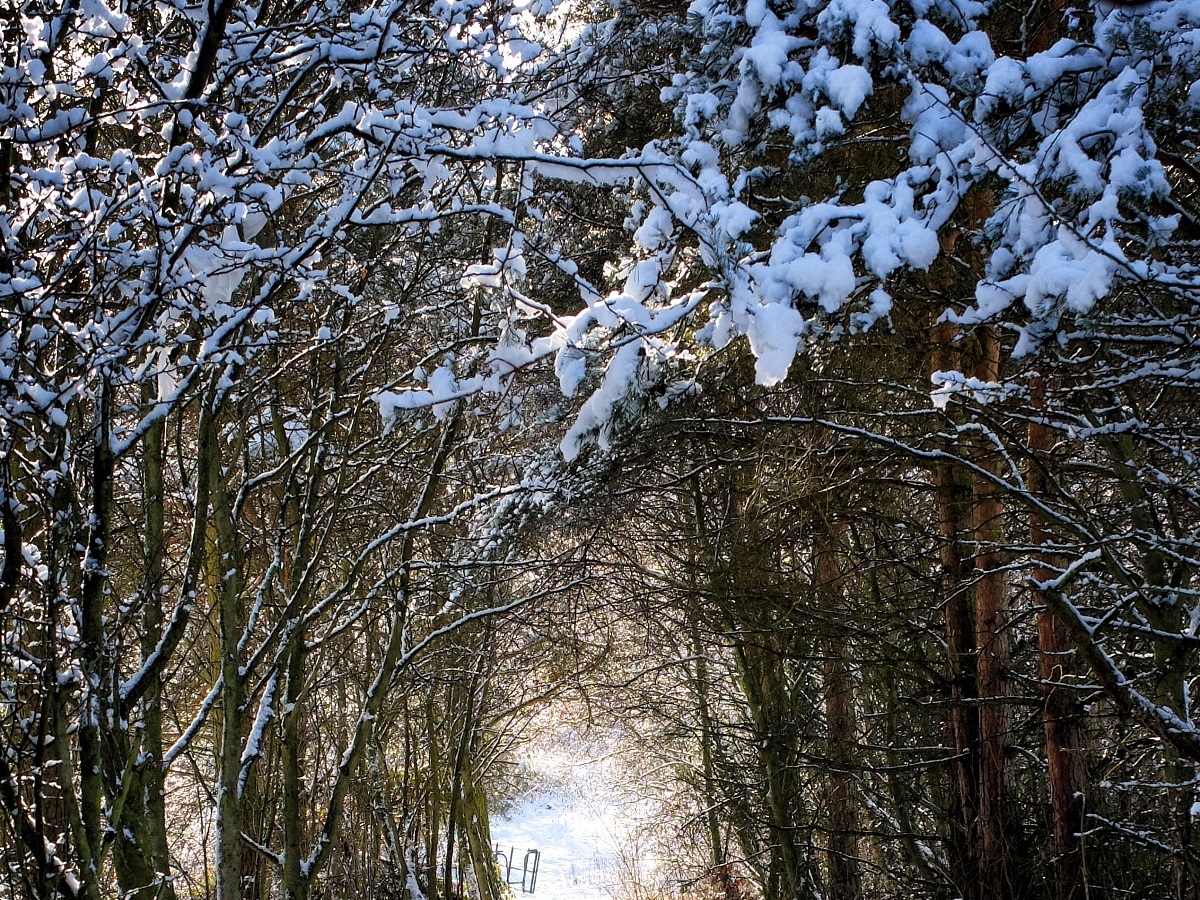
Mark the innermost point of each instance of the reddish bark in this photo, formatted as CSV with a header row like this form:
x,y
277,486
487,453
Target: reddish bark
x,y
845,880
953,497
998,871
1060,717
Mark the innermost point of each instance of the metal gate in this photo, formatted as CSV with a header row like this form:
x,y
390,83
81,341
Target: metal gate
x,y
529,868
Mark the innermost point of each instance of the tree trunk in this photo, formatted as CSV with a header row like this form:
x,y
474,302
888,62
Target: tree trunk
x,y
1060,713
435,799
700,681
295,885
456,789
96,687
156,807
845,880
475,827
953,497
999,876
707,739
227,575
762,689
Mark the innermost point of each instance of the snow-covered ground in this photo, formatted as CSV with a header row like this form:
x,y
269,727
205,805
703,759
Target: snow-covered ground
x,y
577,810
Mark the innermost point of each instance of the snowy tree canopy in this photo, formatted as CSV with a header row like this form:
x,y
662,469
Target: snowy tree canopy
x,y
1059,124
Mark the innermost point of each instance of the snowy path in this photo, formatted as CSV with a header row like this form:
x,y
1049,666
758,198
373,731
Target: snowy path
x,y
574,814
579,858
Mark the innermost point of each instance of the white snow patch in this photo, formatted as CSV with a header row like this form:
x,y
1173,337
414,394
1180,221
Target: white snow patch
x,y
578,813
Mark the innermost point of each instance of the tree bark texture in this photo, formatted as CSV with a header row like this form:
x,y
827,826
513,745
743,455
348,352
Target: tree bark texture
x,y
226,579
1060,713
952,490
845,878
999,872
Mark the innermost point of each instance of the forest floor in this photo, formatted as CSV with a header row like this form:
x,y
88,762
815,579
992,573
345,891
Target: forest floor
x,y
575,807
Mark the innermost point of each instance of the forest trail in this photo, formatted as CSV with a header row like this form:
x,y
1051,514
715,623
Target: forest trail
x,y
575,809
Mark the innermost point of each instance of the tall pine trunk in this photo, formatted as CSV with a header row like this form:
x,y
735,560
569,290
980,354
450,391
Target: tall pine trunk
x,y
952,491
1060,713
845,879
999,874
